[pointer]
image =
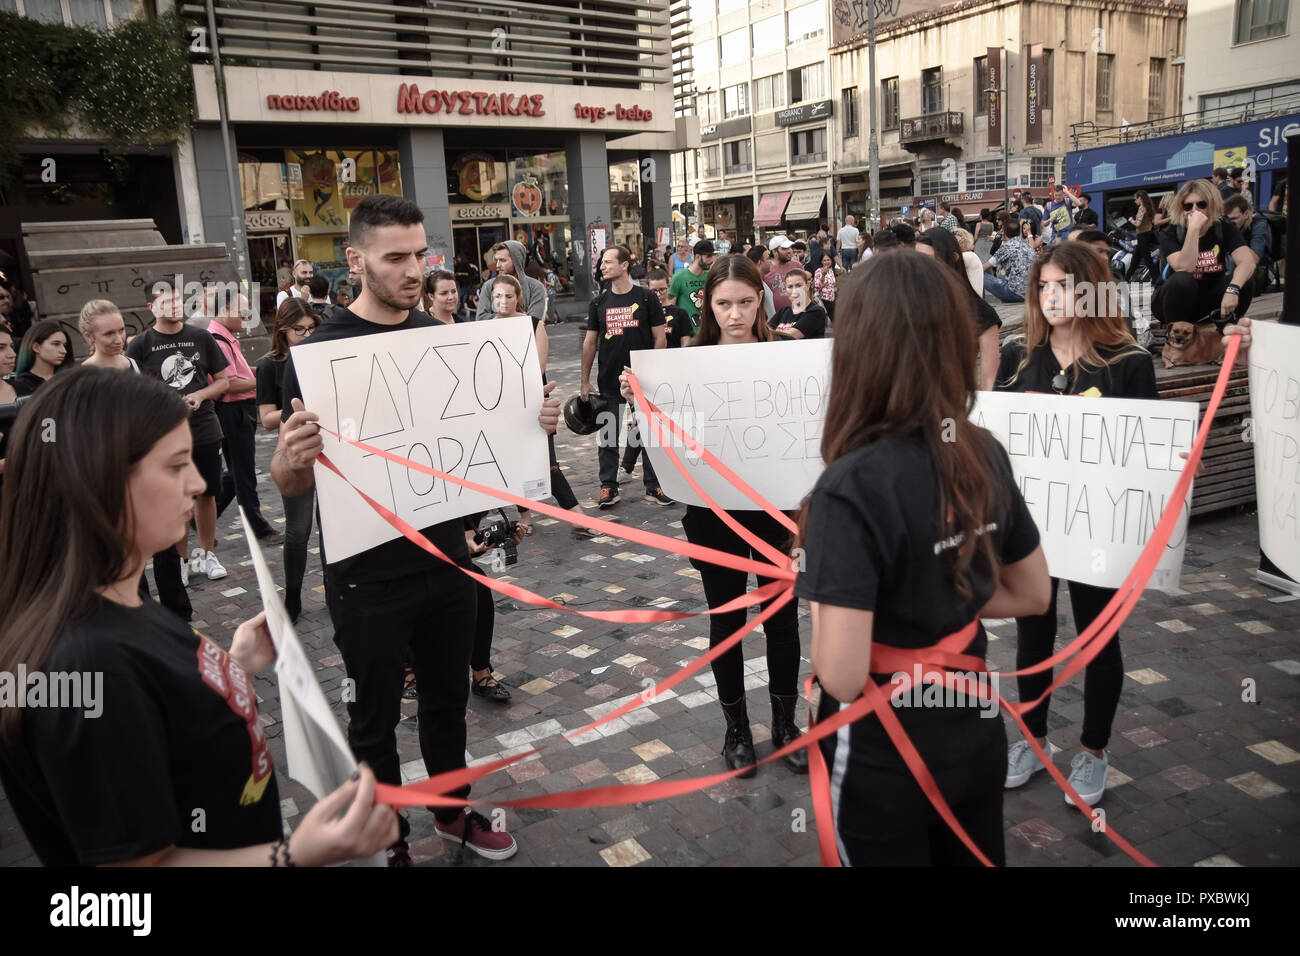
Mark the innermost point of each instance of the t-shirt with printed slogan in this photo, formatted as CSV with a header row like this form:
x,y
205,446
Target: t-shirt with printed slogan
x,y
678,324
1128,372
876,541
397,558
688,289
184,361
1214,250
811,321
172,752
623,323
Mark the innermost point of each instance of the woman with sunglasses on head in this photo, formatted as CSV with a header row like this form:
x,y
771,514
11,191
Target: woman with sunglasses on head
x,y
44,351
1067,351
294,321
118,781
911,534
732,314
1209,267
104,330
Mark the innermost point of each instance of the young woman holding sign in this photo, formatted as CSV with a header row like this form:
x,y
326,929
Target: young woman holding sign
x,y
911,536
124,779
732,314
1072,345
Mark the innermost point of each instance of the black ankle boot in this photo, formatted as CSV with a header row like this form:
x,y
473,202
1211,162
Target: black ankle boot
x,y
785,730
738,748
293,603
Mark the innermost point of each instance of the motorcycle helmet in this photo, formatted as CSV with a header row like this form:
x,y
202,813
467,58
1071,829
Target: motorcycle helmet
x,y
582,417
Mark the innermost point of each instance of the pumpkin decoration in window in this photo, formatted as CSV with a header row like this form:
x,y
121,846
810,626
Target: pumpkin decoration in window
x,y
527,196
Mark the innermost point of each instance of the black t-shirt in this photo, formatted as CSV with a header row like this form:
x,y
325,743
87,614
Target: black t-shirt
x,y
184,361
986,317
270,381
811,321
397,558
677,323
1214,251
1086,218
623,323
25,383
177,732
1129,372
876,541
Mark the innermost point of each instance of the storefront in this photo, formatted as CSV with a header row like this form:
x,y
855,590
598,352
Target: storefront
x,y
733,215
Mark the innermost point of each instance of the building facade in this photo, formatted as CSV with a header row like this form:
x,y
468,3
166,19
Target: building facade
x,y
1094,64
1244,52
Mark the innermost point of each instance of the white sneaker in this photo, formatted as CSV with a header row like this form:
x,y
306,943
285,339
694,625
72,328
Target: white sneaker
x,y
212,567
194,565
185,574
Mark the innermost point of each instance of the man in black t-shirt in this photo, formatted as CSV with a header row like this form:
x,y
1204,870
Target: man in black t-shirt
x,y
621,320
395,599
1209,267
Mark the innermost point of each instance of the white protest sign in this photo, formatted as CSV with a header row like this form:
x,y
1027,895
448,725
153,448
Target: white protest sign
x,y
1275,430
463,399
1096,474
757,407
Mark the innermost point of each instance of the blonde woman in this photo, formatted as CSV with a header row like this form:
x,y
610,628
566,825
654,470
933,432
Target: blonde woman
x,y
1208,265
104,330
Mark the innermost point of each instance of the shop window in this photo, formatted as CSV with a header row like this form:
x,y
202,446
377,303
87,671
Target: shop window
x,y
539,185
476,176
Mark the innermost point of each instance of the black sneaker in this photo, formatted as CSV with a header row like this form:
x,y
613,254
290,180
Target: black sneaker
x,y
656,496
608,498
399,854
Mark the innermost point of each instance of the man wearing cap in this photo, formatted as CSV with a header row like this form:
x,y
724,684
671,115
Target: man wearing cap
x,y
687,287
783,263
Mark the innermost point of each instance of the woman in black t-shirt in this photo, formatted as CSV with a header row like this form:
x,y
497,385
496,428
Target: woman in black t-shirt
x,y
944,246
127,779
732,314
1209,267
1071,348
911,533
294,322
43,352
802,318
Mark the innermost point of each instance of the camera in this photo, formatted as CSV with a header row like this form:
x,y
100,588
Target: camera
x,y
500,533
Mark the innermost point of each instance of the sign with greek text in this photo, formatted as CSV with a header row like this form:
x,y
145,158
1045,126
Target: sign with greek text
x,y
759,408
1275,431
463,399
1096,474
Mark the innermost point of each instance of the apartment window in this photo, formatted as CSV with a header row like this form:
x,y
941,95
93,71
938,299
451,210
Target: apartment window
x,y
1261,19
985,175
769,35
889,105
808,146
735,101
932,90
932,180
1045,82
708,106
769,93
1105,66
738,155
81,13
807,22
1040,169
735,47
1156,89
808,83
704,57
710,164
849,111
981,75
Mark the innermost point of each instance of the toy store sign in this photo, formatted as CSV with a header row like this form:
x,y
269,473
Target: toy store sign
x,y
620,112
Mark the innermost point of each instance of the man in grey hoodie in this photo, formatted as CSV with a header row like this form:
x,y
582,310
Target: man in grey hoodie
x,y
508,257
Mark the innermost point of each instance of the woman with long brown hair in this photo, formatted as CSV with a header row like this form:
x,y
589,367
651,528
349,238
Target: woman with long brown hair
x,y
45,350
294,322
732,313
1075,342
914,530
116,780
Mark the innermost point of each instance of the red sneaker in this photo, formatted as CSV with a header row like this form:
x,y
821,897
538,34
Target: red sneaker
x,y
474,831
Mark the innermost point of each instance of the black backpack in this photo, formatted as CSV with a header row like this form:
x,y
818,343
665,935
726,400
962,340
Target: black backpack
x,y
1277,231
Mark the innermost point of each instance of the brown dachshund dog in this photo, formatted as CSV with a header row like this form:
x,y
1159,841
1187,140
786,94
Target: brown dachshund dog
x,y
1190,344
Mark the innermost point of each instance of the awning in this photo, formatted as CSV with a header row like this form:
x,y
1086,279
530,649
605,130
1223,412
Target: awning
x,y
770,207
805,204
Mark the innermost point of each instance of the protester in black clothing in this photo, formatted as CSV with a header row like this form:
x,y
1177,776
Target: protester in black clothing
x,y
621,320
396,599
802,318
117,779
943,246
1067,352
45,350
910,537
1084,216
732,314
1208,265
294,321
679,327
1143,221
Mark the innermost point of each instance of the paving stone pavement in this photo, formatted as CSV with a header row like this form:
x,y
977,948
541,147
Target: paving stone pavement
x,y
1198,774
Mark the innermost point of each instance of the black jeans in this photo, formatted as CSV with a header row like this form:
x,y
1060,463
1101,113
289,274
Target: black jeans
x,y
1146,244
429,617
1184,298
238,429
171,591
611,426
721,585
298,512
1103,678
484,622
